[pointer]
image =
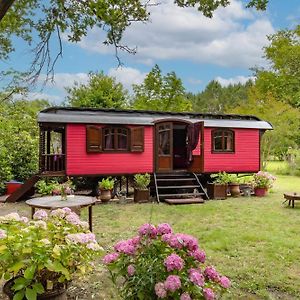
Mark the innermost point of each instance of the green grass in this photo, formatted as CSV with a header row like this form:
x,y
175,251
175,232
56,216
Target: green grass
x,y
254,241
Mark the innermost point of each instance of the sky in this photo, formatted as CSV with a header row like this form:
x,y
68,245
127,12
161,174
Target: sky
x,y
197,48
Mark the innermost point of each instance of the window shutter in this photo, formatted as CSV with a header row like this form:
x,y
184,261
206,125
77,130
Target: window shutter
x,y
93,139
137,139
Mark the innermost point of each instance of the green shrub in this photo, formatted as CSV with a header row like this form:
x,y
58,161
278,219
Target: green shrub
x,y
46,188
142,181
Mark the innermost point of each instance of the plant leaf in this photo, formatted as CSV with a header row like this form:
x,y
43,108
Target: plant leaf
x,y
19,295
29,272
38,287
30,294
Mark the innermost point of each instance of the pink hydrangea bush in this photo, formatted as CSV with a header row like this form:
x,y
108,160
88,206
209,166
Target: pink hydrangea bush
x,y
161,264
50,249
263,180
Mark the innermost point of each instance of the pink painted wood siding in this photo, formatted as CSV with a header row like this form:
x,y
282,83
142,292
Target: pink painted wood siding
x,y
79,162
245,158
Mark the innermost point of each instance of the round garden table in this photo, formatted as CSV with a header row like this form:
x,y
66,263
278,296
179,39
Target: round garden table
x,y
54,202
291,197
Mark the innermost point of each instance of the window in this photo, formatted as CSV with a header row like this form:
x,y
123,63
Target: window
x,y
114,139
222,140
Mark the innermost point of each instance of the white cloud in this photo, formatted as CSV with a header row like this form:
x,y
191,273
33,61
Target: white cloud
x,y
234,80
127,76
194,81
233,37
39,96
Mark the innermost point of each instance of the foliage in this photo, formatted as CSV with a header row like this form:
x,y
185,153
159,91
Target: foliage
x,y
158,92
19,139
263,180
45,253
46,187
221,178
161,264
101,91
142,181
106,183
217,99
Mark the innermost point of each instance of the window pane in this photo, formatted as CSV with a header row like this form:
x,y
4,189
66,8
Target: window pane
x,y
109,141
164,142
218,143
122,140
228,142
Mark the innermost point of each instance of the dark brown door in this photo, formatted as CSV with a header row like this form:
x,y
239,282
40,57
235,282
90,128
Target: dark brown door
x,y
164,147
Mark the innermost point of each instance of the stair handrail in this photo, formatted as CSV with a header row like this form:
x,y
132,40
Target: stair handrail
x,y
205,193
156,189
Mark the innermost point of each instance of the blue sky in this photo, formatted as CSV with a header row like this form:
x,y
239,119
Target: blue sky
x,y
198,49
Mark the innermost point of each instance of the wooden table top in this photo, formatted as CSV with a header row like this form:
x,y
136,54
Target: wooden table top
x,y
292,196
50,202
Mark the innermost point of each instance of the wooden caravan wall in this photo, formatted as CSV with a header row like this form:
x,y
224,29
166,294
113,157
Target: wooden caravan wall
x,y
79,162
246,157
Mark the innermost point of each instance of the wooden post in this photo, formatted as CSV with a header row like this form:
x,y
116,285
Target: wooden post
x,y
91,217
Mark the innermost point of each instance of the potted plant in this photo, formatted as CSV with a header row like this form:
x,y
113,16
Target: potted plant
x,y
39,258
160,264
262,181
106,186
141,190
234,185
218,189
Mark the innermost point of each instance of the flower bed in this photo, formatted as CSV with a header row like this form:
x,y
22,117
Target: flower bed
x,y
160,264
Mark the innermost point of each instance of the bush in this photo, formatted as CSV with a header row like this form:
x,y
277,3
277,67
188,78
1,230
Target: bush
x,y
142,181
161,264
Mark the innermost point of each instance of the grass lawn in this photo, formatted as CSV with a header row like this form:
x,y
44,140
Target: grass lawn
x,y
254,241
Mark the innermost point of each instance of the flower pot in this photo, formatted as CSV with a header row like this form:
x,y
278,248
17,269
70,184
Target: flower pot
x,y
234,189
58,294
141,195
260,192
105,195
217,191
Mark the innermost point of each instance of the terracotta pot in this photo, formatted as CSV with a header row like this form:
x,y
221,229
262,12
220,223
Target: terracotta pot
x,y
141,195
59,294
234,189
217,191
260,192
105,195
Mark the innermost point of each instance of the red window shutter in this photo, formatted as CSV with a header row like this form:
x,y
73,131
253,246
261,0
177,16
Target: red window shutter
x,y
137,139
93,139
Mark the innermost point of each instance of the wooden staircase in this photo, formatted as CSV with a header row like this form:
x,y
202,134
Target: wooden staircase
x,y
25,188
179,188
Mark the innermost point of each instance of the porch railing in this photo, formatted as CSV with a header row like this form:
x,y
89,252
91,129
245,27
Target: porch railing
x,y
53,162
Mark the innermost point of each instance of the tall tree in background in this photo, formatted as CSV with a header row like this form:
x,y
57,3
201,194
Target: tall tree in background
x,y
101,91
282,79
158,92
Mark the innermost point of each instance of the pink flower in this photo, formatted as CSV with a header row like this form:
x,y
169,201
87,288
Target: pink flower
x,y
58,213
160,290
73,218
199,255
180,240
24,219
40,215
110,258
130,270
196,277
135,241
81,238
166,237
67,210
172,283
93,246
3,234
148,230
164,228
125,247
212,274
208,294
185,296
173,262
224,282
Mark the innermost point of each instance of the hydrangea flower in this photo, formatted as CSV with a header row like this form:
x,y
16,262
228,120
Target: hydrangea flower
x,y
12,216
196,277
160,290
40,224
208,294
199,255
212,274
173,262
3,234
58,213
110,258
148,230
93,246
130,270
172,283
224,282
40,215
125,247
81,238
164,228
185,296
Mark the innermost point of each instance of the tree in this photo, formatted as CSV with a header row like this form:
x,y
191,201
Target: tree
x,y
218,99
101,91
282,79
49,19
158,92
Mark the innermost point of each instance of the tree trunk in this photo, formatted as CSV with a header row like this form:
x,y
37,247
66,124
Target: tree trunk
x,y
4,6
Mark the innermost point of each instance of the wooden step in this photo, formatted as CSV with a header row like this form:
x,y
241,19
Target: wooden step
x,y
21,191
178,187
172,175
184,201
174,179
190,195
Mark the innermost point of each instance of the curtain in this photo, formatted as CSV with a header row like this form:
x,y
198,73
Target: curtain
x,y
193,131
